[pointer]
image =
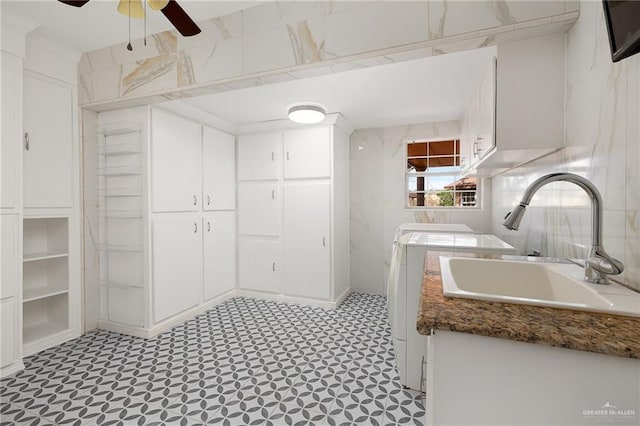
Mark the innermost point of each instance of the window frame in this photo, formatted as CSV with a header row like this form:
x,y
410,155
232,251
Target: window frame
x,y
426,174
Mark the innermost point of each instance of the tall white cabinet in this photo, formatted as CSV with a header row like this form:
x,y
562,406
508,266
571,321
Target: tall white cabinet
x,y
39,222
293,212
169,190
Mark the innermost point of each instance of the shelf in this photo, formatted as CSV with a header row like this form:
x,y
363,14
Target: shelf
x,y
42,331
119,149
120,171
29,295
111,283
119,128
119,192
32,257
112,247
120,214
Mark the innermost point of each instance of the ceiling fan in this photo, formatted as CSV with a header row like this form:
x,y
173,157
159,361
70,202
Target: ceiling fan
x,y
170,8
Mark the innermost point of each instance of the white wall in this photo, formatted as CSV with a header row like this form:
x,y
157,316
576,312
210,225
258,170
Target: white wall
x,y
376,185
602,137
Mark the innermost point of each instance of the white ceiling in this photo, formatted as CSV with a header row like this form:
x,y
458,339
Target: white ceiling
x,y
433,89
97,24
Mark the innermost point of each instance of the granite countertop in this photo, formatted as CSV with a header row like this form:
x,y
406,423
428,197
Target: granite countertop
x,y
609,334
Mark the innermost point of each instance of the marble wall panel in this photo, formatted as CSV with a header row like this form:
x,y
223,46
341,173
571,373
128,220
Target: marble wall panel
x,y
215,61
214,30
278,14
149,76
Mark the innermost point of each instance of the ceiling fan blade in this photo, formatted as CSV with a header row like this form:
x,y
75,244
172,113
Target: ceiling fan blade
x,y
76,3
179,18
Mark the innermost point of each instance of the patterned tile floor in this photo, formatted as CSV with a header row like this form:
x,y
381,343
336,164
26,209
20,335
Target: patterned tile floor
x,y
244,362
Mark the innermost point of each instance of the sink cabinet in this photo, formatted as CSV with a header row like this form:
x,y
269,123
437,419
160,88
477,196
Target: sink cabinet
x,y
525,380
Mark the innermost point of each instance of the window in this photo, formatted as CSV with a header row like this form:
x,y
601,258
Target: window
x,y
433,176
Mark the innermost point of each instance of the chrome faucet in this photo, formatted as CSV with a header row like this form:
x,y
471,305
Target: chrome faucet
x,y
598,264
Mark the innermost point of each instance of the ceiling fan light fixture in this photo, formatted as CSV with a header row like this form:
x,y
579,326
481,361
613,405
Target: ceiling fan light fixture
x,y
131,8
307,113
157,4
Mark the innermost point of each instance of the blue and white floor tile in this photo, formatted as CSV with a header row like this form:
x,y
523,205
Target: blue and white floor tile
x,y
244,362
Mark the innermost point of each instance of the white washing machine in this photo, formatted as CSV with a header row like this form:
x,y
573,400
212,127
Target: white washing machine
x,y
405,289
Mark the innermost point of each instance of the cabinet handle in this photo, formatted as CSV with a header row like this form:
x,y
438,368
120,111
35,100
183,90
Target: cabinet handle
x,y
26,141
208,200
195,200
273,266
195,228
208,226
273,156
273,194
324,241
287,155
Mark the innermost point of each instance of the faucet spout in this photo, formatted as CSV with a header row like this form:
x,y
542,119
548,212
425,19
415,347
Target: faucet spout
x,y
598,264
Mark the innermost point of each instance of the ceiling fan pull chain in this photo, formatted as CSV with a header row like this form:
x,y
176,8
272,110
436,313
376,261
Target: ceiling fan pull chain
x,y
129,47
145,23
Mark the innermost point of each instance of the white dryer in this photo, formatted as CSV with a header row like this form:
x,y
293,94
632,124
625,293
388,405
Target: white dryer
x,y
405,289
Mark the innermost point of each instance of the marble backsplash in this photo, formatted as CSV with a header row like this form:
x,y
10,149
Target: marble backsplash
x,y
278,41
602,137
376,182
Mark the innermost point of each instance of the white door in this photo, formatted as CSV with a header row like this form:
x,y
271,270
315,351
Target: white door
x,y
175,163
11,138
307,247
177,264
218,170
307,153
11,258
48,156
260,265
259,156
259,208
219,255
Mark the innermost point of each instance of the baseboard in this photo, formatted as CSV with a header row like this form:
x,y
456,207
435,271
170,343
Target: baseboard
x,y
48,342
11,369
166,325
343,296
291,299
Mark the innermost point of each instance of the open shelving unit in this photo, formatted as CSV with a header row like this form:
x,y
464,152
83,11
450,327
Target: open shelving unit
x,y
45,278
120,208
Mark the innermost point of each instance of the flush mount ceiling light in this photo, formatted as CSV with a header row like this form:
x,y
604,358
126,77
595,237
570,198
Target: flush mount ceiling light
x,y
307,113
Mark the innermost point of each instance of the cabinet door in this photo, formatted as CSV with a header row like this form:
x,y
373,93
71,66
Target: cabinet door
x,y
218,170
260,265
486,120
8,348
307,267
11,138
219,256
259,208
48,157
175,163
11,258
177,264
307,153
259,156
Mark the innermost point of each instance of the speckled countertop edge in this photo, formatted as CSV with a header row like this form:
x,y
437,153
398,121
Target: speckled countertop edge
x,y
608,334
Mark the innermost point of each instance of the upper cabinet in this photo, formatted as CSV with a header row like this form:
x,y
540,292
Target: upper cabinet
x,y
48,143
10,158
307,153
175,163
259,156
218,170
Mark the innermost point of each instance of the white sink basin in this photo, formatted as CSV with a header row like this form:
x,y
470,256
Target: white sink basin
x,y
556,285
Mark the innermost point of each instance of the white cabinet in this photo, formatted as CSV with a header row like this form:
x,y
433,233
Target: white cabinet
x,y
9,330
164,257
175,163
307,245
10,232
219,253
259,208
218,170
177,264
48,145
261,265
307,153
293,221
11,125
259,156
